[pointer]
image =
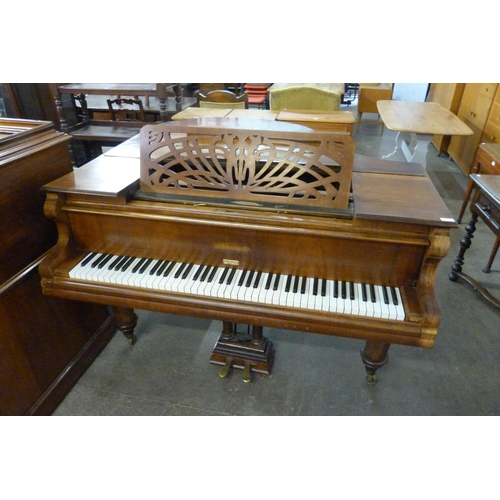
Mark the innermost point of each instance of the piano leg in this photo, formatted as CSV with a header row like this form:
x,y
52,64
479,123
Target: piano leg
x,y
240,350
374,356
126,321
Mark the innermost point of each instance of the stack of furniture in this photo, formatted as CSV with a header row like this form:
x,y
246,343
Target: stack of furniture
x,y
257,94
45,343
95,133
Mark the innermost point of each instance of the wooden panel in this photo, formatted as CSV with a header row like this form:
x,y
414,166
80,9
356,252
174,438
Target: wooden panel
x,y
491,131
474,110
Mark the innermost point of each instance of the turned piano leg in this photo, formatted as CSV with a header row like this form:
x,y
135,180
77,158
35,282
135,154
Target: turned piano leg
x,y
126,321
374,356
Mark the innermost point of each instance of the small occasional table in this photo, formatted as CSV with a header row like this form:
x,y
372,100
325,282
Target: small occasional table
x,y
412,118
486,206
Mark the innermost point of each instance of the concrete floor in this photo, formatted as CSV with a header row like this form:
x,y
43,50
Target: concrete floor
x,y
167,372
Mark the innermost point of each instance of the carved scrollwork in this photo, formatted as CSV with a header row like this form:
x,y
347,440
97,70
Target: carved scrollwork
x,y
247,165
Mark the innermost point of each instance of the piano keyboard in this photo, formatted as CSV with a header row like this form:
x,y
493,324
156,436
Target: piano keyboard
x,y
243,285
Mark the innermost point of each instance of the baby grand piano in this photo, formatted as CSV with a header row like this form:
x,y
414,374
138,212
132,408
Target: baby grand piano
x,y
256,223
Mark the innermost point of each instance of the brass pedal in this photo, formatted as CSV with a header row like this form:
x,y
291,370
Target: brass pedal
x,y
225,369
246,372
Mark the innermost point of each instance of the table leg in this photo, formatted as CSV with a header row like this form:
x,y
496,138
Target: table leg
x,y
465,243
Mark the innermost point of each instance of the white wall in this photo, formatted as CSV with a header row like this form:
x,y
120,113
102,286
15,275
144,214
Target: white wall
x,y
410,91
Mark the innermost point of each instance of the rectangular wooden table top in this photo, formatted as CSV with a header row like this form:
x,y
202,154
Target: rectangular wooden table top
x,y
421,118
316,116
150,89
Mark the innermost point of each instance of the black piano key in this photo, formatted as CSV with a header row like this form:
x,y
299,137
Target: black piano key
x,y
212,274
138,265
315,286
386,296
242,278
105,261
296,284
120,264
115,262
231,276
363,292
249,279
344,290
394,296
204,275
323,288
162,267
145,265
276,282
373,297
336,289
180,270
257,280
88,259
198,272
127,264
168,269
99,260
351,291
187,271
288,283
269,281
155,267
303,285
223,275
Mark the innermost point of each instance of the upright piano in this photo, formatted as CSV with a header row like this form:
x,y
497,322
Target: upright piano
x,y
253,223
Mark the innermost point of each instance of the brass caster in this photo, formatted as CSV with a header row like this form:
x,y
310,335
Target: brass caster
x,y
246,373
132,340
371,379
225,369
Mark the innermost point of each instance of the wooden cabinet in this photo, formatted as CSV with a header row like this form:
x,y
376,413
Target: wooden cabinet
x,y
474,110
491,132
449,95
45,343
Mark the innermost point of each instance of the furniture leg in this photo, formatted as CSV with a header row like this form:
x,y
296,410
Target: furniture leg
x,y
492,256
465,243
468,191
126,321
374,356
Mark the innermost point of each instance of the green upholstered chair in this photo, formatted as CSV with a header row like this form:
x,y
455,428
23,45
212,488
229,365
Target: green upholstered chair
x,y
304,98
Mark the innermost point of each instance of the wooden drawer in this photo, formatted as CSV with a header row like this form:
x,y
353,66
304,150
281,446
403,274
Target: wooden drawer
x,y
488,158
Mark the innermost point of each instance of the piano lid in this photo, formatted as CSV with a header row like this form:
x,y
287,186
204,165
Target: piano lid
x,y
303,170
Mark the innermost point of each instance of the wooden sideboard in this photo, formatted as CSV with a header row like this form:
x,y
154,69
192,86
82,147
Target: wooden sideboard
x,y
45,343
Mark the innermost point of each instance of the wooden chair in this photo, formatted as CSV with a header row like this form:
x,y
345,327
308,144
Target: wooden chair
x,y
257,94
304,98
222,99
126,109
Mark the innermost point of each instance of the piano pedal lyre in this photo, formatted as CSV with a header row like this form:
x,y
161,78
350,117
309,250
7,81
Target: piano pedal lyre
x,y
248,352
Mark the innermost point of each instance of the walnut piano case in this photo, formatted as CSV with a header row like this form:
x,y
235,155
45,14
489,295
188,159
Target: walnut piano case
x,y
257,201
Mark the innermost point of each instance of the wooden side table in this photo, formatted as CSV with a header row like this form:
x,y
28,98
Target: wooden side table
x,y
486,206
487,161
